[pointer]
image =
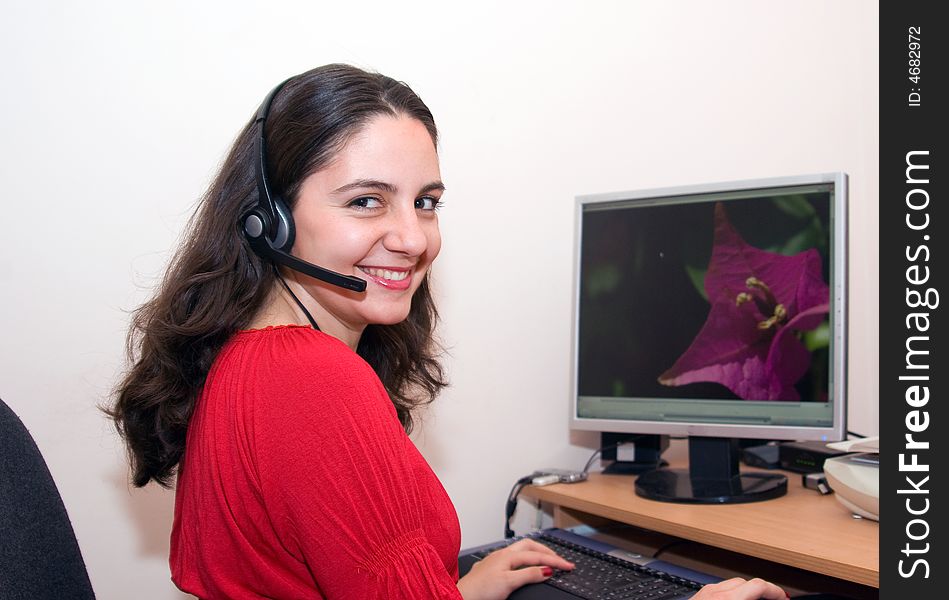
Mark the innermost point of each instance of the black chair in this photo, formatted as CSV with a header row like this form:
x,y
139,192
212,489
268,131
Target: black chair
x,y
39,555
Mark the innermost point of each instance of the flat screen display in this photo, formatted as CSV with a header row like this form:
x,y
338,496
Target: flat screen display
x,y
718,307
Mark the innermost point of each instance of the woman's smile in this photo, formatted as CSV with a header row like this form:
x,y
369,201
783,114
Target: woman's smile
x,y
393,278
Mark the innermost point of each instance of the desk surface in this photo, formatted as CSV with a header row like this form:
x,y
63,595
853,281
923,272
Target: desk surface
x,y
802,529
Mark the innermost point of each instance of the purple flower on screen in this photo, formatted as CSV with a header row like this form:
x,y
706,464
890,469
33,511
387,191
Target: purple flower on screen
x,y
760,301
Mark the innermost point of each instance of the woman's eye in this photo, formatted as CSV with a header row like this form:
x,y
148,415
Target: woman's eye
x,y
366,202
427,203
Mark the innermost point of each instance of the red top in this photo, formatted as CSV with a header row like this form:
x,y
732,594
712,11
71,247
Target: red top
x,y
299,482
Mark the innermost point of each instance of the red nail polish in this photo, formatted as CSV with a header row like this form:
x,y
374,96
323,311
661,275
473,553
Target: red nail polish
x,y
547,571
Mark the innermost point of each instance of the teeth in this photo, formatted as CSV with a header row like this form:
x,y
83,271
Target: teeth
x,y
386,274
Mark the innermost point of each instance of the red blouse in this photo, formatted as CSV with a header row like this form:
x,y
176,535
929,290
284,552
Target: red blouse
x,y
299,482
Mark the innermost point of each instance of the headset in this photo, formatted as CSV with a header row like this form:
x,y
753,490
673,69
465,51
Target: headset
x,y
269,227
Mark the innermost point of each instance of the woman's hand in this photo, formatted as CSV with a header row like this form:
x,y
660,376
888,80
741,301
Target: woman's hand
x,y
505,570
739,589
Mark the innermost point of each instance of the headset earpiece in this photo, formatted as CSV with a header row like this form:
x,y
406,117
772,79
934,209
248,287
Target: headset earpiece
x,y
255,225
286,232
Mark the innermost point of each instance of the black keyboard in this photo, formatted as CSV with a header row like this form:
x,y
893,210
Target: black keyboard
x,y
599,576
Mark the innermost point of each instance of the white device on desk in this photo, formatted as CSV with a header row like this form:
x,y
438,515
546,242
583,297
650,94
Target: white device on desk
x,y
855,478
560,476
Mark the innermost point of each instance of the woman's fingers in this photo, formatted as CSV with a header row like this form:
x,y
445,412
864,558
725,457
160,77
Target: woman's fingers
x,y
739,589
529,544
527,552
728,584
529,558
505,570
759,588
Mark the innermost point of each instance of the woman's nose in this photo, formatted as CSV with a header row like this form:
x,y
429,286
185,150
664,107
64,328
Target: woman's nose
x,y
406,233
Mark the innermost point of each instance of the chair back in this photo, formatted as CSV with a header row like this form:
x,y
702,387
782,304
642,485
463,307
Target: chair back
x,y
39,554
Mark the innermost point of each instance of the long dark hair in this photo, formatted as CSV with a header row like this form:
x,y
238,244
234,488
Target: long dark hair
x,y
215,284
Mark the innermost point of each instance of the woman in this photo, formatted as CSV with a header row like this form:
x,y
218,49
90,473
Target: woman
x,y
279,391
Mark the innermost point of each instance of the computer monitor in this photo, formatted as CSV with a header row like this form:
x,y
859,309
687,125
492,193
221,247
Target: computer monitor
x,y
716,312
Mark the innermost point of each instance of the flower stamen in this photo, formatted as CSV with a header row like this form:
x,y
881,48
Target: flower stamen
x,y
780,315
753,283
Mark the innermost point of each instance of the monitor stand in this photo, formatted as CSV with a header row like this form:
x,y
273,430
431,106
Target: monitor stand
x,y
713,477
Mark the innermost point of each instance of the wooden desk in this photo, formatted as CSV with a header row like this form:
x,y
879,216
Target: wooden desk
x,y
802,529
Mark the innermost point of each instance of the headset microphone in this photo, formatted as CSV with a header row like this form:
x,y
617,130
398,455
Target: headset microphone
x,y
269,226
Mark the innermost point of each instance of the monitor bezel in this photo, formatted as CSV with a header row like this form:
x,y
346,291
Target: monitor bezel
x,y
839,201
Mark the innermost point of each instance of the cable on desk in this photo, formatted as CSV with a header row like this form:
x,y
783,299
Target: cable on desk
x,y
512,504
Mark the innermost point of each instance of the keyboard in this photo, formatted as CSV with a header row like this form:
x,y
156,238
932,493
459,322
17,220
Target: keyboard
x,y
599,576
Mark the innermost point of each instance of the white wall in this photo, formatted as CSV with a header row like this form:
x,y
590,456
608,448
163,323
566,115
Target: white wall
x,y
115,115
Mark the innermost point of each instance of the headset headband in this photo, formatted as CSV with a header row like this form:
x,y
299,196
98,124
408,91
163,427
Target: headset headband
x,y
264,200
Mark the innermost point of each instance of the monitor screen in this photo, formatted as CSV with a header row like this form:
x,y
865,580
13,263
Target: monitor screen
x,y
715,310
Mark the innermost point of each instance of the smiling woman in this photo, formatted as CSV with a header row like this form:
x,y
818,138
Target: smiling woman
x,y
277,366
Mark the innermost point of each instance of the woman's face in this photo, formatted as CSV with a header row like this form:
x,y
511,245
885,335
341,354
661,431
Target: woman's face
x,y
371,213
